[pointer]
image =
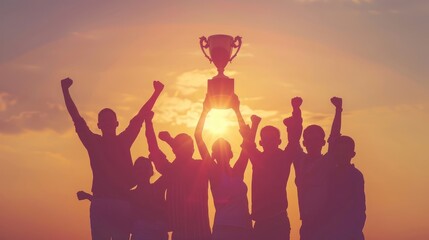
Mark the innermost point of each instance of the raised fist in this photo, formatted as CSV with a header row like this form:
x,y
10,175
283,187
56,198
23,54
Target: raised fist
x,y
158,86
296,102
337,102
255,119
164,136
66,83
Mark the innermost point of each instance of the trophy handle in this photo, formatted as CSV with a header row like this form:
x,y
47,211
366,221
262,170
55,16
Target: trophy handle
x,y
238,46
204,44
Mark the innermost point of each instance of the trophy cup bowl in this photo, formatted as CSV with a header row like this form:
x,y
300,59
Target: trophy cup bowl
x,y
220,89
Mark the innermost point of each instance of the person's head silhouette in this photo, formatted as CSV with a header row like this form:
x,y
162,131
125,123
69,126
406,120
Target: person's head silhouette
x,y
183,146
107,122
143,170
221,151
344,150
314,140
270,138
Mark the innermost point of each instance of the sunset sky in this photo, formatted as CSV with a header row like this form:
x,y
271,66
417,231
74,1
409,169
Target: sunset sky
x,y
372,53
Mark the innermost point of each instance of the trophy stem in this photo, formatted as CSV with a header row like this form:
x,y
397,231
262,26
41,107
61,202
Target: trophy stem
x,y
220,72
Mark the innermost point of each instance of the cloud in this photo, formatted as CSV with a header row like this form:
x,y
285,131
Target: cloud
x,y
182,108
189,82
186,112
6,100
53,117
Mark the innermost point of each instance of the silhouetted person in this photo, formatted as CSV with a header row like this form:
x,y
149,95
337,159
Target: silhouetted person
x,y
312,178
187,189
148,207
347,195
271,170
346,198
232,219
111,165
148,204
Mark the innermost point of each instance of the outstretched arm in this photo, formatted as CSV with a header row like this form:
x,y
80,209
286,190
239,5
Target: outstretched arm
x,y
294,124
236,108
156,155
336,124
202,147
150,133
248,135
70,105
147,107
133,129
82,128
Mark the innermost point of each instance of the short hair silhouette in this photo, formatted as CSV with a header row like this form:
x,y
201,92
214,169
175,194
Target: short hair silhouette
x,y
183,145
344,149
107,120
314,131
270,137
314,139
221,151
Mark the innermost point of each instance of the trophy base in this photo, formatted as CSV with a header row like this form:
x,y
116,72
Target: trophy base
x,y
221,101
220,91
220,85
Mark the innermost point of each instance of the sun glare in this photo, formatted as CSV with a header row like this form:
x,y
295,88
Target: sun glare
x,y
219,120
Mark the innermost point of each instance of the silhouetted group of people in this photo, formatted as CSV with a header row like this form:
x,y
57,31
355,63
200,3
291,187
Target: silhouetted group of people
x,y
124,202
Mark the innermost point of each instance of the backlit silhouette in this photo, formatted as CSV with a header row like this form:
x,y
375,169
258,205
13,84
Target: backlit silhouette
x,y
111,165
323,181
187,189
232,218
271,169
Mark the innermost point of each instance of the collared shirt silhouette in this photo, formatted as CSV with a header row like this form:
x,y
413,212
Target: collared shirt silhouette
x,y
111,165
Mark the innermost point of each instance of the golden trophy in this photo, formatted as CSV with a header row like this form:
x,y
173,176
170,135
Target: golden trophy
x,y
220,89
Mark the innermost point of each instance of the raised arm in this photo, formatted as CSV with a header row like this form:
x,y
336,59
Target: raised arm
x,y
336,124
236,108
150,133
70,105
147,107
294,124
156,155
133,129
202,147
248,135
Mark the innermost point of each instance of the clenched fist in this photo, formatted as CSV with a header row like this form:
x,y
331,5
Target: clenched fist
x,y
66,83
296,102
158,86
337,102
